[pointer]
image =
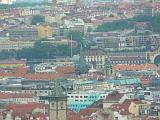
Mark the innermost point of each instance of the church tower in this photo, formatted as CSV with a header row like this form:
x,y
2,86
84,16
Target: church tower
x,y
108,67
57,103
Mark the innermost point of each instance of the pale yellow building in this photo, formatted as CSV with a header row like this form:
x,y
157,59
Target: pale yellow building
x,y
44,31
138,108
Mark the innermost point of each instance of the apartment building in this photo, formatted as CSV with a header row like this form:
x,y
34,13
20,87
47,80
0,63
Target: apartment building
x,y
95,57
15,45
23,33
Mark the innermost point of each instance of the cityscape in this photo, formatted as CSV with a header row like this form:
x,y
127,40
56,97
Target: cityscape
x,y
79,59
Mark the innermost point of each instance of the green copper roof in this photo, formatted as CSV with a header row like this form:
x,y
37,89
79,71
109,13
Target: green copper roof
x,y
126,81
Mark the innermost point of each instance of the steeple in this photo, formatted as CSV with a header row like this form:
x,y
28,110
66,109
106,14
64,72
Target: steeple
x,y
56,89
57,99
82,59
81,66
108,67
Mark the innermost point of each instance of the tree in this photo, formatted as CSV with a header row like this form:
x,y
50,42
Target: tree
x,y
81,68
89,29
44,50
129,24
37,19
77,36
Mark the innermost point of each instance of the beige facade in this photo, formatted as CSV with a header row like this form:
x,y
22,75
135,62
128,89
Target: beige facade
x,y
58,110
138,109
44,31
133,108
96,58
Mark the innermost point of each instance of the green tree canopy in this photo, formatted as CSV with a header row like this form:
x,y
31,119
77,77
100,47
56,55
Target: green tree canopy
x,y
44,50
77,36
154,23
81,68
37,19
89,29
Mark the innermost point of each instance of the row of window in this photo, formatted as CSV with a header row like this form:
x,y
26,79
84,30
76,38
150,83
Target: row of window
x,y
24,99
85,96
76,105
129,62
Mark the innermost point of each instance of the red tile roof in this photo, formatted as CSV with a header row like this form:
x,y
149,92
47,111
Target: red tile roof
x,y
84,114
65,69
23,110
136,101
23,73
15,95
135,67
40,116
123,109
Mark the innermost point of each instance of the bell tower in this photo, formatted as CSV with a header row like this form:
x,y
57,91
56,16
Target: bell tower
x,y
108,67
57,102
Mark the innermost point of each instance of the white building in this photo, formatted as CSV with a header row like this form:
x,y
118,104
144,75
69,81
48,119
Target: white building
x,y
7,1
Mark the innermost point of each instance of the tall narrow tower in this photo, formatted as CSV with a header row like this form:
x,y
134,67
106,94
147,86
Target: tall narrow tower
x,y
108,67
57,102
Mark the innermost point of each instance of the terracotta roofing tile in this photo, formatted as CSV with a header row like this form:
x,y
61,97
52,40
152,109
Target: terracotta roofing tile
x,y
135,67
15,95
24,109
82,115
123,109
136,101
65,69
41,116
24,73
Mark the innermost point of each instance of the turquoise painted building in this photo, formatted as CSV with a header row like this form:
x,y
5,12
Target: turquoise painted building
x,y
79,101
125,81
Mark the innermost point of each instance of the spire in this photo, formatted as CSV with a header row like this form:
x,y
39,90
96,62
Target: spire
x,y
108,66
81,59
56,89
81,66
